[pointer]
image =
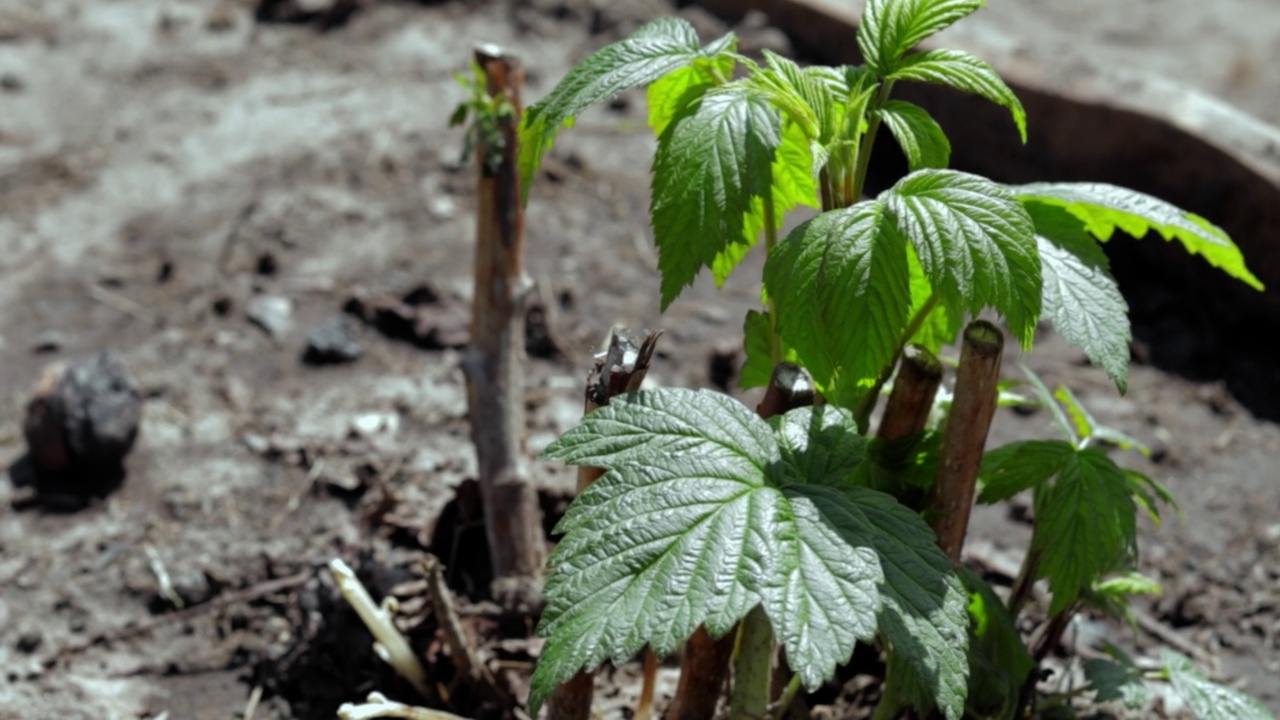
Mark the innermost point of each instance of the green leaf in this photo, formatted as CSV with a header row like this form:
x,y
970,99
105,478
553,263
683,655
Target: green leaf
x,y
1120,439
794,177
459,115
939,327
821,443
1111,595
890,28
1086,525
792,185
1130,583
821,586
712,159
669,95
924,615
652,552
966,73
901,468
805,99
840,286
702,514
1081,298
1113,681
976,244
999,662
1085,423
1008,470
696,520
652,51
1208,699
638,426
1150,494
1104,208
918,134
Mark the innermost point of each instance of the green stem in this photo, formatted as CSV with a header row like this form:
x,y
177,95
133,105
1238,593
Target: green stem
x,y
787,697
890,703
752,667
869,140
862,412
1050,701
1025,581
770,241
824,189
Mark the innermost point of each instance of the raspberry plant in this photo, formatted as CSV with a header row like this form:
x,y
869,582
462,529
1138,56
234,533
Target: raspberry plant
x,y
707,512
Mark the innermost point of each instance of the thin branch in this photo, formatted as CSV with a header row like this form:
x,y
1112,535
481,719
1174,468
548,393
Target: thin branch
x,y
494,362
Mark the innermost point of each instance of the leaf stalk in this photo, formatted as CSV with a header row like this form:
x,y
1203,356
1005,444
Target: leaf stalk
x,y
869,139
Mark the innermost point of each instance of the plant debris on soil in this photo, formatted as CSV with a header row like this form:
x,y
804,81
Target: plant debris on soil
x,y
256,208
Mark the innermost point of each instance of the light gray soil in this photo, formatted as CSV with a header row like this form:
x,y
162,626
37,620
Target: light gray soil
x,y
153,153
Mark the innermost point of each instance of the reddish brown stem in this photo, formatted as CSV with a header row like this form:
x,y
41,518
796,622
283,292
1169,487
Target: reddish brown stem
x,y
702,675
644,708
907,412
972,409
705,666
621,369
493,362
572,700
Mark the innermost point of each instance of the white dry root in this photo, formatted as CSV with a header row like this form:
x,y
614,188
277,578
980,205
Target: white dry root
x,y
378,706
390,645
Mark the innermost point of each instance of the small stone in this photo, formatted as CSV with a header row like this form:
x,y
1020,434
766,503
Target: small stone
x,y
442,207
369,425
332,341
50,341
82,420
257,444
192,585
29,642
271,313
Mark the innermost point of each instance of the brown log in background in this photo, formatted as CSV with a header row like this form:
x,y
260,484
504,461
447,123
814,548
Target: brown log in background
x,y
494,361
966,435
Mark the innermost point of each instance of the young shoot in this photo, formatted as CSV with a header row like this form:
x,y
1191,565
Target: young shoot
x,y
389,643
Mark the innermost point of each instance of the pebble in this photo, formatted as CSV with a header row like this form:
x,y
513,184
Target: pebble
x,y
50,341
332,341
371,424
442,207
272,313
29,642
83,417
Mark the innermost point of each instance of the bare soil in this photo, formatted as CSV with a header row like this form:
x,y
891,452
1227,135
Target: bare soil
x,y
170,170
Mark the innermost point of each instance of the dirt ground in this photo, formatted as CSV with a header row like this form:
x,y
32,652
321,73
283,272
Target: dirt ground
x,y
170,168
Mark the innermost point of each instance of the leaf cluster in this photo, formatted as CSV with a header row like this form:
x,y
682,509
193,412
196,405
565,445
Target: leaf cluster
x,y
741,144
487,114
707,511
1085,503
